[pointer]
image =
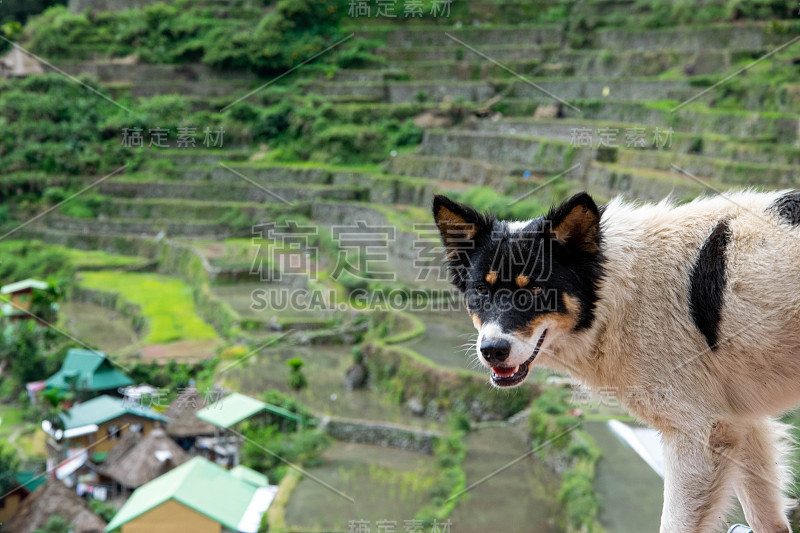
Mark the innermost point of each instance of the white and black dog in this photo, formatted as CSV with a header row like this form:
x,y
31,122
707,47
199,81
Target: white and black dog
x,y
690,314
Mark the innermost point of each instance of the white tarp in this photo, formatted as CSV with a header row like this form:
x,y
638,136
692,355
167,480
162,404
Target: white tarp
x,y
262,499
68,467
645,441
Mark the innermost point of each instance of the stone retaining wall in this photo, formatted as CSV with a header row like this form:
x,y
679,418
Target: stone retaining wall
x,y
380,434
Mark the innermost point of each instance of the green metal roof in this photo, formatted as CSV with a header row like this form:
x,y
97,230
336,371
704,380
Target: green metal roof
x,y
282,412
237,407
198,484
105,408
24,285
90,371
230,410
249,475
30,480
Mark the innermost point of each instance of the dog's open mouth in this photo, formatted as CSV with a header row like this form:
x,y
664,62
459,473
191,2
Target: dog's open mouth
x,y
508,376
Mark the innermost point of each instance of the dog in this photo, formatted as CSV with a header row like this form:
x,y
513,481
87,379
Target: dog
x,y
689,313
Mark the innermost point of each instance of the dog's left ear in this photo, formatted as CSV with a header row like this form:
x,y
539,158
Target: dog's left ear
x,y
576,223
460,226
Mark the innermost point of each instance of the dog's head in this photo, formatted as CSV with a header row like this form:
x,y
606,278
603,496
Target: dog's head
x,y
528,285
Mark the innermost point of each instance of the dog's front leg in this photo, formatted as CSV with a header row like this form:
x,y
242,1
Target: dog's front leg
x,y
763,475
697,479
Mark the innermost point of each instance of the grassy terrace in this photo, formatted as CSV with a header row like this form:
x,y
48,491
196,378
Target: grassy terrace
x,y
166,304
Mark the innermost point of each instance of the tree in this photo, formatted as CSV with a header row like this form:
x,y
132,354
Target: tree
x,y
23,350
9,466
51,407
43,303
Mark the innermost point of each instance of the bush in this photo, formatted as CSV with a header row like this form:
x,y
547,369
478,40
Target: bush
x,y
51,126
9,465
55,524
450,452
488,199
34,259
349,143
297,380
303,447
104,510
54,195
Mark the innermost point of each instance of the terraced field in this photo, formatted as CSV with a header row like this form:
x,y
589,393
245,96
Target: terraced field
x,y
533,103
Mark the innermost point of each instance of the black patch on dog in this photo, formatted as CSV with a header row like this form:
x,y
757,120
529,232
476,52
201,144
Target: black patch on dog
x,y
788,207
707,283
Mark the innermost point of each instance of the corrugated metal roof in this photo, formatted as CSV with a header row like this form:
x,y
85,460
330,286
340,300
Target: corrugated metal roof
x,y
237,407
24,285
231,410
199,485
102,409
88,370
250,476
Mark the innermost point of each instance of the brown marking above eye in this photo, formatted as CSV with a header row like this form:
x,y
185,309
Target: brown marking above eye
x,y
491,277
522,280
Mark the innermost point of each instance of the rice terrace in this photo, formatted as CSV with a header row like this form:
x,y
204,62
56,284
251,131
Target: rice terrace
x,y
229,300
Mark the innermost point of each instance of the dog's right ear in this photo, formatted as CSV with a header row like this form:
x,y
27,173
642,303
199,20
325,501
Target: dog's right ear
x,y
459,226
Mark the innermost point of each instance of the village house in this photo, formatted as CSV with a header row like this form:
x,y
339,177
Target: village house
x,y
53,499
26,483
183,425
19,296
138,459
93,428
200,497
87,371
225,414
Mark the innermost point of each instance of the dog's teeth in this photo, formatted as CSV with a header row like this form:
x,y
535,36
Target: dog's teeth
x,y
516,369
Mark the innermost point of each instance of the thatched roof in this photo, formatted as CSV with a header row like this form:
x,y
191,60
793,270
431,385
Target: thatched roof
x,y
54,499
182,422
142,459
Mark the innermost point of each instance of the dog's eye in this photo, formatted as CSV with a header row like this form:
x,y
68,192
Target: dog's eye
x,y
536,290
482,289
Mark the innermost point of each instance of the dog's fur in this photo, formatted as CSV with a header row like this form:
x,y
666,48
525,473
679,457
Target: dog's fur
x,y
690,314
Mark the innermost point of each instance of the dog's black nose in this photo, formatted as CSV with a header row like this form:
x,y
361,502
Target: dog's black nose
x,y
495,350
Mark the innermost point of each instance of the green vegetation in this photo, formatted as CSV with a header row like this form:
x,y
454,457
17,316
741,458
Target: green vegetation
x,y
9,466
297,380
20,10
487,199
404,374
554,431
33,259
27,352
271,446
166,303
53,125
55,524
104,510
182,31
450,453
174,377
